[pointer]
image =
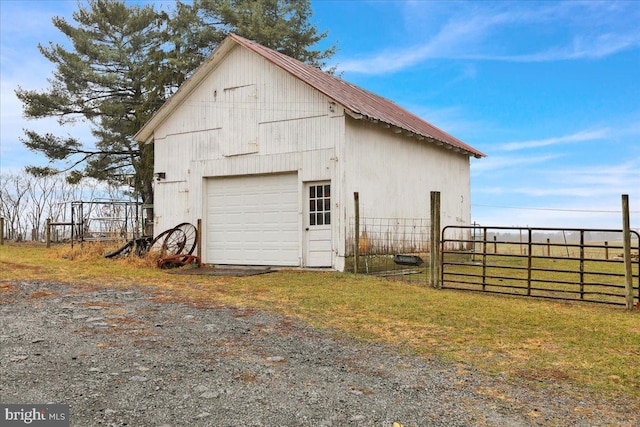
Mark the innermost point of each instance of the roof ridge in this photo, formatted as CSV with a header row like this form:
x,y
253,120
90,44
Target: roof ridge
x,y
356,99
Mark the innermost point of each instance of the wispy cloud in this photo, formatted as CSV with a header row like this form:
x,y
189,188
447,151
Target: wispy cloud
x,y
581,47
620,178
587,182
495,164
573,191
468,30
445,44
587,135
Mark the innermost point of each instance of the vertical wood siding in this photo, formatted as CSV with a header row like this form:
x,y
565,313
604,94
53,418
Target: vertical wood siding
x,y
247,117
394,175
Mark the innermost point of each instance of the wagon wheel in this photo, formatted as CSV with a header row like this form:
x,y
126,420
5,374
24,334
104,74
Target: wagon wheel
x,y
174,243
142,245
169,242
123,251
191,234
158,241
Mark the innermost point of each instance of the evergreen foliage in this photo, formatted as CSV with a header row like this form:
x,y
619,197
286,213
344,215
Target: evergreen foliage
x,y
123,61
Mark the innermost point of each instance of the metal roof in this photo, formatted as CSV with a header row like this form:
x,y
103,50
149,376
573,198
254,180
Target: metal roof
x,y
360,102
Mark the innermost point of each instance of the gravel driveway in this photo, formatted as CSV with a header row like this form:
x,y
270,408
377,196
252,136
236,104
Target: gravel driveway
x,y
140,357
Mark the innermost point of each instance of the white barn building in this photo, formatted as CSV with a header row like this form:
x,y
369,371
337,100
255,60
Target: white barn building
x,y
268,151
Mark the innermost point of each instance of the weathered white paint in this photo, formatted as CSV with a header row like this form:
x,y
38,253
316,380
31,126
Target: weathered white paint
x,y
318,242
394,175
249,117
242,86
178,193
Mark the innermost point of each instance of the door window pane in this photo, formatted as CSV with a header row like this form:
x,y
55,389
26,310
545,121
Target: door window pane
x,y
320,204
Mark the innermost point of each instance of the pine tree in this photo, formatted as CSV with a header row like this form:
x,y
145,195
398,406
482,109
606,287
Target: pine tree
x,y
282,25
122,63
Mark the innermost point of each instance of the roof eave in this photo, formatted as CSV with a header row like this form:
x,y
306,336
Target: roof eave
x,y
418,136
146,133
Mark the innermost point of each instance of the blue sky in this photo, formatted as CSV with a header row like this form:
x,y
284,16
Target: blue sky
x,y
550,91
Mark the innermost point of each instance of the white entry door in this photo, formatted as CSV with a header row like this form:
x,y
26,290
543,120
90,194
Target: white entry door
x,y
318,224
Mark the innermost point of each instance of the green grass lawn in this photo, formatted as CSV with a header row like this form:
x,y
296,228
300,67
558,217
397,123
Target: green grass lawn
x,y
596,347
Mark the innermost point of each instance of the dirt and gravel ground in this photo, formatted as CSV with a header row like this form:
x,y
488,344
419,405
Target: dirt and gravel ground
x,y
139,357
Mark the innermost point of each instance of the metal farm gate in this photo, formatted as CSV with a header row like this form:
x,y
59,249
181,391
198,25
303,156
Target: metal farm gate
x,y
564,264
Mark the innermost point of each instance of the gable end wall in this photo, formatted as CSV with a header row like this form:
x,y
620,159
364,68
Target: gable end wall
x,y
248,117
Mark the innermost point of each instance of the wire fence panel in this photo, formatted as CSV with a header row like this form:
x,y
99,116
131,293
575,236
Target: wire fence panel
x,y
391,247
567,264
98,220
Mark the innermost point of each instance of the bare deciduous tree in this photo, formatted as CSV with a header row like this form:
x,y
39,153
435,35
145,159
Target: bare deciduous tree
x,y
27,200
13,203
41,191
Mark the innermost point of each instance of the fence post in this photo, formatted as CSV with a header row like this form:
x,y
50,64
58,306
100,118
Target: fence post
x,y
199,239
484,259
628,274
548,247
2,231
48,232
356,243
434,256
520,241
529,258
581,264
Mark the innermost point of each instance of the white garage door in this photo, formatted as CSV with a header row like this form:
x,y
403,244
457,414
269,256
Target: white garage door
x,y
253,220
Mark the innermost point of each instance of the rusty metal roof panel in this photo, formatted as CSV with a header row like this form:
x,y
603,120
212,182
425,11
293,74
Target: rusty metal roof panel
x,y
357,100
